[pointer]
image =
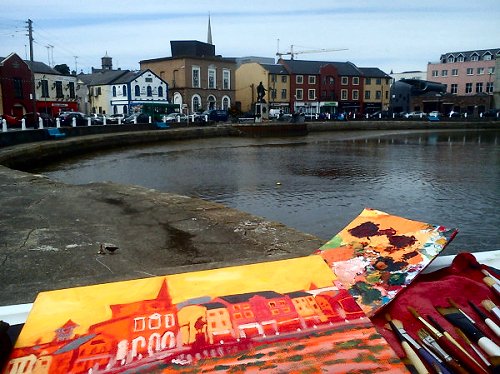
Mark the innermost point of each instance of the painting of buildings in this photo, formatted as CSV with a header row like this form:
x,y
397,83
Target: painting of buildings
x,y
270,316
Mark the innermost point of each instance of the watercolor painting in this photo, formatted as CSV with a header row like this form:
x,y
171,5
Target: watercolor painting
x,y
267,317
378,254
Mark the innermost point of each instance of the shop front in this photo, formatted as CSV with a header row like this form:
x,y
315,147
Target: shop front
x,y
54,108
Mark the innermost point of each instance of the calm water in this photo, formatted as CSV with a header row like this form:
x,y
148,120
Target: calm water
x,y
320,182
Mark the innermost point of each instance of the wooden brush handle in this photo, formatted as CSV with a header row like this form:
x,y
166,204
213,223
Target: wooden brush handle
x,y
414,359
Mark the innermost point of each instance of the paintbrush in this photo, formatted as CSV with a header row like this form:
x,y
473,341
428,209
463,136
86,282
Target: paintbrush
x,y
490,282
433,345
491,307
488,274
449,343
454,304
410,353
472,332
477,351
487,320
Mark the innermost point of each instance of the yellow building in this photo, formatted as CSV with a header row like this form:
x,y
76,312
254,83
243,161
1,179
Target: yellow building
x,y
377,85
275,80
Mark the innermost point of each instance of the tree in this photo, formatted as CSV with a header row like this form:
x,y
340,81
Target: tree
x,y
63,69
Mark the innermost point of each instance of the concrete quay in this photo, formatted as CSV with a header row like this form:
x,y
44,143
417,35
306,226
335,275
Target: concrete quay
x,y
51,232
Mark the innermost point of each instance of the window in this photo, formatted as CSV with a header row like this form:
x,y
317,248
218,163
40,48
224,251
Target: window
x,y
59,89
45,88
283,79
444,73
149,91
343,94
451,58
355,94
344,81
479,87
355,80
139,324
454,72
468,88
225,103
367,95
489,87
273,77
470,71
160,91
454,88
273,93
196,77
311,94
298,94
312,79
71,87
435,73
211,79
480,71
154,321
114,91
474,57
18,88
368,81
460,58
283,93
124,90
378,95
378,81
226,79
137,90
331,80
196,103
491,70
169,320
487,57
299,79
149,80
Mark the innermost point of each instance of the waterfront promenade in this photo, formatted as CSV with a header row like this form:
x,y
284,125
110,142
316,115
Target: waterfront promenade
x,y
50,232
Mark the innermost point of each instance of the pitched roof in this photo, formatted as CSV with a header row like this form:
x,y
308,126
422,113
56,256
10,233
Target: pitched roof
x,y
40,67
468,54
275,69
102,77
313,67
373,73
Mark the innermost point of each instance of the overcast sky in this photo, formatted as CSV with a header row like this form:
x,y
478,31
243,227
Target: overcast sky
x,y
398,35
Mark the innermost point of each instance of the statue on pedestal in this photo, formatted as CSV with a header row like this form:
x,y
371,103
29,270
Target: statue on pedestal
x,y
261,92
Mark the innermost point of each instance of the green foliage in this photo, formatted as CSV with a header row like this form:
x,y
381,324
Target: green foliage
x,y
63,69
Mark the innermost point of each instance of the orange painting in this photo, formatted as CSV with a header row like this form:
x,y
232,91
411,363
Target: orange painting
x,y
283,316
378,254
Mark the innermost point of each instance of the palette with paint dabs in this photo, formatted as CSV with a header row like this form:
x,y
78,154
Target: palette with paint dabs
x,y
378,254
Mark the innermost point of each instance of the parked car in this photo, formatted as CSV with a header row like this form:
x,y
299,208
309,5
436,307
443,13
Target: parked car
x,y
114,118
217,115
454,114
379,114
175,117
138,117
11,120
492,113
66,119
435,113
416,114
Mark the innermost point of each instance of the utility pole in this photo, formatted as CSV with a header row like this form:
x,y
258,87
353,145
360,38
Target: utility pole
x,y
30,35
76,65
33,89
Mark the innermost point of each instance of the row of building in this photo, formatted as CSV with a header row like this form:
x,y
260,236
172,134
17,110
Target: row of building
x,y
197,79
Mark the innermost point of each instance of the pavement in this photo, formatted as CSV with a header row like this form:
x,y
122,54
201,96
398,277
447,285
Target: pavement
x,y
51,234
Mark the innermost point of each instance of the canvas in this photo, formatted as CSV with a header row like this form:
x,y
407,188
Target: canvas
x,y
284,316
378,254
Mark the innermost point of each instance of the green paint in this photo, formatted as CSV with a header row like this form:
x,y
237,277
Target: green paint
x,y
300,347
296,358
248,357
334,242
367,293
222,367
397,279
350,344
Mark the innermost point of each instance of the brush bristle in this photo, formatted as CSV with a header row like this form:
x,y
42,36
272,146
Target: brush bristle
x,y
397,323
422,334
445,311
488,305
489,281
453,303
414,312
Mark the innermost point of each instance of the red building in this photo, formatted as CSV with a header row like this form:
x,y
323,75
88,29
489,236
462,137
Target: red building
x,y
16,86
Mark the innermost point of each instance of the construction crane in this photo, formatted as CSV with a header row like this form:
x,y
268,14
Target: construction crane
x,y
292,53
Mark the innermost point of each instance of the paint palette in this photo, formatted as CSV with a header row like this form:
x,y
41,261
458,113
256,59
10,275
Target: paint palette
x,y
267,317
378,254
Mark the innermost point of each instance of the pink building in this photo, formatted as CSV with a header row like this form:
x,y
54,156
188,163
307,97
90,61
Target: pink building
x,y
467,72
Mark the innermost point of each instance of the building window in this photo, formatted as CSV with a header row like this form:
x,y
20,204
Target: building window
x,y
137,90
368,81
273,77
311,94
312,79
154,321
273,93
367,95
378,81
283,79
491,70
225,103
343,94
196,77
489,87
479,87
196,103
355,80
470,71
124,90
460,58
487,57
71,87
468,88
149,80
378,95
344,81
480,71
474,57
211,79
451,58
435,73
444,73
160,91
298,94
45,88
355,94
283,93
139,324
18,88
59,90
149,91
299,79
226,79
454,72
114,91
454,88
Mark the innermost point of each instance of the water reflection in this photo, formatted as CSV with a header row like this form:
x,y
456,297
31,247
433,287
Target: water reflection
x,y
320,182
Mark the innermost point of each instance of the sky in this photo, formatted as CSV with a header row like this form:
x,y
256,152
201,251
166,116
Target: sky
x,y
393,35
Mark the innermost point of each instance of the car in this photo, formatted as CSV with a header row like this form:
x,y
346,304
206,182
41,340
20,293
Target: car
x,y
116,118
492,113
11,120
454,114
136,118
217,115
175,117
379,114
81,119
435,113
416,114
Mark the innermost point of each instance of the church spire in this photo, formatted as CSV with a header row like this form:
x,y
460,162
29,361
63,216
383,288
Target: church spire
x,y
209,35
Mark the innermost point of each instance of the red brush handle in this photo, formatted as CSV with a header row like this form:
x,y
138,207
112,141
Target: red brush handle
x,y
454,351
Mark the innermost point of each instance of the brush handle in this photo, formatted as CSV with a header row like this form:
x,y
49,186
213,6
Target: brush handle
x,y
432,360
489,347
414,359
493,326
457,351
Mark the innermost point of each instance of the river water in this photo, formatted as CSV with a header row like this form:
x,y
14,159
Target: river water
x,y
320,182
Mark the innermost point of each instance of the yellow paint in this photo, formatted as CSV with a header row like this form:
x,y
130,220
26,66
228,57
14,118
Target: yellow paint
x,y
89,305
